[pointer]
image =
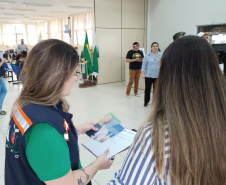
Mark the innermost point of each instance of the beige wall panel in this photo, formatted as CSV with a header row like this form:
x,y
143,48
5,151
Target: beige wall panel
x,y
109,43
128,37
108,13
133,14
145,14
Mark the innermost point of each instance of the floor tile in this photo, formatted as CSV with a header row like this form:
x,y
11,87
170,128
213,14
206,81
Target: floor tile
x,y
88,104
2,143
104,176
2,180
2,164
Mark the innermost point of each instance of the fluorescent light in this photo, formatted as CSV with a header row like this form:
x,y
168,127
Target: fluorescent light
x,y
61,12
23,10
37,19
12,14
4,18
47,16
80,7
36,5
15,21
7,2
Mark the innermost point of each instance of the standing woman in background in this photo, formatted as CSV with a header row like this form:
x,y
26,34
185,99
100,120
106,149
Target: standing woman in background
x,y
150,70
3,89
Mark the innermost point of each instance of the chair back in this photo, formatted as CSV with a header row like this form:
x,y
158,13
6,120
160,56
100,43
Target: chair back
x,y
6,67
14,68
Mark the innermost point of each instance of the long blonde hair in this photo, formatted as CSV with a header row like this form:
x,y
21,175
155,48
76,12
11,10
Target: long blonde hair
x,y
48,66
190,96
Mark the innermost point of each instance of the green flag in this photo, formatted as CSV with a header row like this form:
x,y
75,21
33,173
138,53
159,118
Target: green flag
x,y
95,57
86,55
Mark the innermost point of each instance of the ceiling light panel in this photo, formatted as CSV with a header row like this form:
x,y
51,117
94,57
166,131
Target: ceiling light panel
x,y
60,12
36,5
80,7
23,10
7,2
5,18
12,14
46,16
37,19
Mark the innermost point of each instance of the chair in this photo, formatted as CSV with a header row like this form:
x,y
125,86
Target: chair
x,y
9,70
15,70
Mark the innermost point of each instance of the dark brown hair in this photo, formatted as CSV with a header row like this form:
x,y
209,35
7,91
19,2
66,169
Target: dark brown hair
x,y
190,96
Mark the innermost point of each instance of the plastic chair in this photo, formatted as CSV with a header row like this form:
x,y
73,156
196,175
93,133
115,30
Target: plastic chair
x,y
15,70
9,70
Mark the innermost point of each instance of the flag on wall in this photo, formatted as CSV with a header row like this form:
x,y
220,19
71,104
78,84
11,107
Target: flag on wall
x,y
86,55
95,57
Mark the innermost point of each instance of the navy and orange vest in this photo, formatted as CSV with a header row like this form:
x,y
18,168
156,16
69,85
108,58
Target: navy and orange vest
x,y
17,168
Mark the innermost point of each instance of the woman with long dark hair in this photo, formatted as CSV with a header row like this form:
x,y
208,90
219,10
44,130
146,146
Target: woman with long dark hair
x,y
182,141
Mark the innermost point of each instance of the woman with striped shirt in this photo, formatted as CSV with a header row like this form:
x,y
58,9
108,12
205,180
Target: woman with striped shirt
x,y
182,141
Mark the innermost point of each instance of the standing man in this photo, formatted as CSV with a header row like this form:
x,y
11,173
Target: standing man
x,y
22,47
178,35
135,58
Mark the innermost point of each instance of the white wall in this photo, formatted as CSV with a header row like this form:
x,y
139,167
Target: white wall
x,y
166,17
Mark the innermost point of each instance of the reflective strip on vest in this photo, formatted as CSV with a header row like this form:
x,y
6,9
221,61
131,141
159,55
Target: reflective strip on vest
x,y
66,125
66,136
21,120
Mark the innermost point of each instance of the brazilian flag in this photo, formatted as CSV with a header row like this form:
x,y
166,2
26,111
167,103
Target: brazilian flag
x,y
86,55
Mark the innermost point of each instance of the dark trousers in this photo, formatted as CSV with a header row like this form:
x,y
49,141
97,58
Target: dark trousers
x,y
148,85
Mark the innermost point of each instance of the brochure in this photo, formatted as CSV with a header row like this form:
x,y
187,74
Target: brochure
x,y
111,134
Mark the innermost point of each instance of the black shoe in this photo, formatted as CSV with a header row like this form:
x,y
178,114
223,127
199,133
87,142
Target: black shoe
x,y
145,104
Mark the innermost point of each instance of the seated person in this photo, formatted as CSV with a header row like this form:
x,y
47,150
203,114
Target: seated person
x,y
14,54
21,58
183,140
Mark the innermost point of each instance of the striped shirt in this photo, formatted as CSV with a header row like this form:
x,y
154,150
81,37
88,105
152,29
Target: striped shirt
x,y
140,169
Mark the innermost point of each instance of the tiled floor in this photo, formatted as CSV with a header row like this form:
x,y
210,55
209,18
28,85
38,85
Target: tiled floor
x,y
88,104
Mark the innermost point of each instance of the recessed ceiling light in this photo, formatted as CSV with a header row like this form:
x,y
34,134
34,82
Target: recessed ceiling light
x,y
7,2
15,21
61,12
23,10
36,5
46,16
37,19
5,18
12,14
79,7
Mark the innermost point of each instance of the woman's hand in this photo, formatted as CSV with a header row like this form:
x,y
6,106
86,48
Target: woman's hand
x,y
83,128
103,162
143,75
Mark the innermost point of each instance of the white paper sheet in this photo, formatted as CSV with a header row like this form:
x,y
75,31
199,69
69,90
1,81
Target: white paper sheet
x,y
115,144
